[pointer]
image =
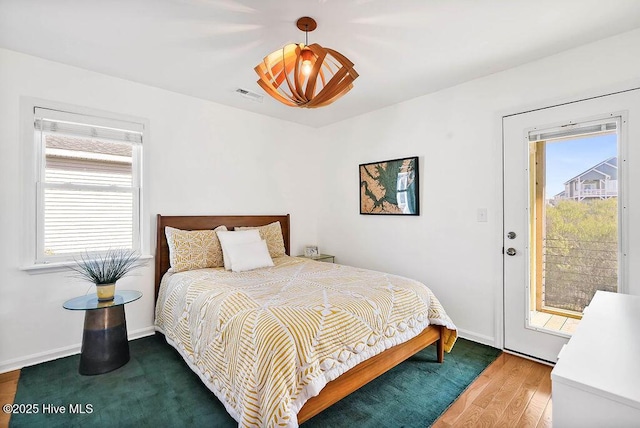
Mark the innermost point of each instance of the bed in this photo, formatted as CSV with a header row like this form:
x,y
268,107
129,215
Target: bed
x,y
344,372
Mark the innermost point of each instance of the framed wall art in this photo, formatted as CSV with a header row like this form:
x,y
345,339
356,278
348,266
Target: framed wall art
x,y
390,187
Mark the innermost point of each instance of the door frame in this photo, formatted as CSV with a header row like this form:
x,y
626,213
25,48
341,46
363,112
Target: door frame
x,y
499,117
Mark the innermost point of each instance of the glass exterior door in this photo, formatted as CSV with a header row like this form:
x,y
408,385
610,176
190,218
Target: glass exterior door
x,y
563,223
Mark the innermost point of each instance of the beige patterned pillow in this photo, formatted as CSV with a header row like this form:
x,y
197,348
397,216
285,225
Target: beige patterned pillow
x,y
272,233
194,249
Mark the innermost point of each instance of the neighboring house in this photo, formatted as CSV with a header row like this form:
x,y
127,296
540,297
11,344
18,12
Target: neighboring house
x,y
599,181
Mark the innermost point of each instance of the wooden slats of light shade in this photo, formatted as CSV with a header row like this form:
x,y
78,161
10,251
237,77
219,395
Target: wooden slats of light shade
x,y
281,76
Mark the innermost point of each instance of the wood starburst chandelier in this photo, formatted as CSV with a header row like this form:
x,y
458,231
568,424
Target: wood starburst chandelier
x,y
302,75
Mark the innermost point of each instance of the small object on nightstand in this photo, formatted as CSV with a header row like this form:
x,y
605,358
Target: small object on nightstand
x,y
321,258
105,346
311,251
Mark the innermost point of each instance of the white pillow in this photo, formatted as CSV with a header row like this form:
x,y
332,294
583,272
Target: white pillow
x,y
252,255
228,238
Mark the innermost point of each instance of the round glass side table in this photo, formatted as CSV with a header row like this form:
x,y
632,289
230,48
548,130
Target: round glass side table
x,y
105,346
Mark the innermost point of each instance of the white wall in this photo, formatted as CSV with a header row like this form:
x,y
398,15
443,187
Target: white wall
x,y
203,158
200,158
457,135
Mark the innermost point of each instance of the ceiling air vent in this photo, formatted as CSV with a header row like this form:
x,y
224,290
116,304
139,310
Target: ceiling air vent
x,y
251,95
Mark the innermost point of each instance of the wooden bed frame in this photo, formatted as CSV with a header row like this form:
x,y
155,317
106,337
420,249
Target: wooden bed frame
x,y
347,382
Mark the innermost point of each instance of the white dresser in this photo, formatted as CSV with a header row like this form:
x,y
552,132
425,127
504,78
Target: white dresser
x,y
596,381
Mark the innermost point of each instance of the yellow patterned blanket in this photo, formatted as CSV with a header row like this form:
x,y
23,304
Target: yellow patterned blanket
x,y
265,341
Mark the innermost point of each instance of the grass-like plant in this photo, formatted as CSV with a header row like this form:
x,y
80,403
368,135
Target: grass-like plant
x,y
106,268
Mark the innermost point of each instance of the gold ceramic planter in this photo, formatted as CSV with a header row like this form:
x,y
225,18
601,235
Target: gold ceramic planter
x,y
105,292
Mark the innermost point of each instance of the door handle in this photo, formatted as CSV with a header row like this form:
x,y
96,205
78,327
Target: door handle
x,y
511,251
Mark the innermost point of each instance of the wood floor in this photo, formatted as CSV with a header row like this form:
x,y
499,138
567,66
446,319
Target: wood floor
x,y
8,386
511,392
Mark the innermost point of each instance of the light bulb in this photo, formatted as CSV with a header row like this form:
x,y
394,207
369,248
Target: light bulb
x,y
308,58
306,67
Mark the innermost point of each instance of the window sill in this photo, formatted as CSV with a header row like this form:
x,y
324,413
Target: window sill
x,y
37,269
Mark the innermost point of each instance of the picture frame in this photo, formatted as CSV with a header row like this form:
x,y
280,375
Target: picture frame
x,y
311,251
390,187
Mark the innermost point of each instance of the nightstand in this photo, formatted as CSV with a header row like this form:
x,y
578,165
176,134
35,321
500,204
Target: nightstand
x,y
321,258
105,346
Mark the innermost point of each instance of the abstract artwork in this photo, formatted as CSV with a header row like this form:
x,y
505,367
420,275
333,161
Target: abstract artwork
x,y
390,187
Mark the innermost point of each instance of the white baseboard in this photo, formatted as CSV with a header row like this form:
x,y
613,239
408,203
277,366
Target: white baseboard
x,y
41,357
142,332
475,337
54,354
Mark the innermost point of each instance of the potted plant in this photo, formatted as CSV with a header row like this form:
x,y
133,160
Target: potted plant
x,y
105,269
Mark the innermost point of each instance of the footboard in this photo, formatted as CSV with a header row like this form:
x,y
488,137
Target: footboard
x,y
370,369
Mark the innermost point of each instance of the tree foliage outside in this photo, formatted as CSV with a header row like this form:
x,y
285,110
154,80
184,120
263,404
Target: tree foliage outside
x,y
580,252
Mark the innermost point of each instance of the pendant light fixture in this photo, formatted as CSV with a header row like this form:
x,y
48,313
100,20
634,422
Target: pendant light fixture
x,y
303,75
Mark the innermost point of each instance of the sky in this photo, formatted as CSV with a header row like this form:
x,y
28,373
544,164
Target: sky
x,y
568,158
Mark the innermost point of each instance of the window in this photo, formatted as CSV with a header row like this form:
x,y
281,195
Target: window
x,y
575,236
88,183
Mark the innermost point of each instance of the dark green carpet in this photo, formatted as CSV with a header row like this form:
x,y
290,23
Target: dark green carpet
x,y
156,388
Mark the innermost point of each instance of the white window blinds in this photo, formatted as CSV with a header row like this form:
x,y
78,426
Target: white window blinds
x,y
573,130
89,183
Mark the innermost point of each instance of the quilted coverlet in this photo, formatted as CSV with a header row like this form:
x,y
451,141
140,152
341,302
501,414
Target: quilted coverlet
x,y
265,341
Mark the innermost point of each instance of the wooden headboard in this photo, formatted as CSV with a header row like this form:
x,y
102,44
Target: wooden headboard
x,y
203,223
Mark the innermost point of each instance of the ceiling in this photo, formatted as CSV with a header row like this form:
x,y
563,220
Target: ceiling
x,y
401,49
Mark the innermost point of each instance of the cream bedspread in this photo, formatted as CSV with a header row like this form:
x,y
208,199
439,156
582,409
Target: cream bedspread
x,y
265,341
